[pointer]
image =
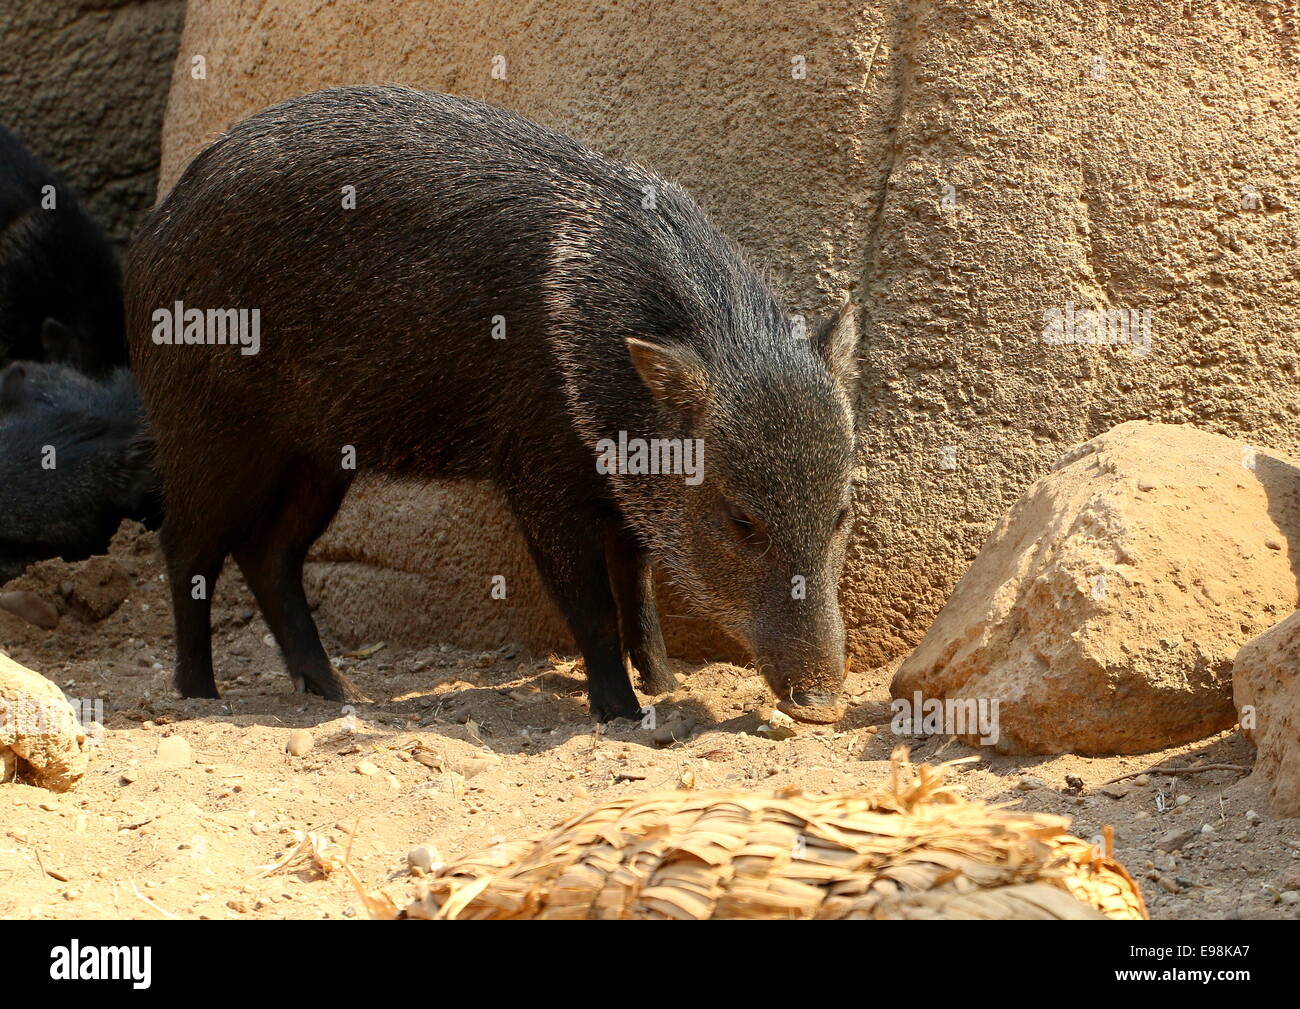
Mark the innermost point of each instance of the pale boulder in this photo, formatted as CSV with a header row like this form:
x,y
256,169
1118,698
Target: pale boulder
x,y
1106,607
41,741
1266,691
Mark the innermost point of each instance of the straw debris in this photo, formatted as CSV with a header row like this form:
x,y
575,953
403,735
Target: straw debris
x,y
914,849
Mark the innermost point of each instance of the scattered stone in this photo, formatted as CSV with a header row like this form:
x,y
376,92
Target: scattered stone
x,y
366,768
423,857
1170,885
1182,800
1029,783
1175,839
1142,780
1207,829
299,743
174,751
30,607
1253,818
1117,790
676,730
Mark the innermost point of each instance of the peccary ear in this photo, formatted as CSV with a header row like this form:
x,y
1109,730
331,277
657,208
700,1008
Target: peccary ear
x,y
58,341
837,344
12,382
675,375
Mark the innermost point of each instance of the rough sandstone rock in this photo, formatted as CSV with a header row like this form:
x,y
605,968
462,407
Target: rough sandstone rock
x,y
1106,607
962,167
84,85
1266,691
41,741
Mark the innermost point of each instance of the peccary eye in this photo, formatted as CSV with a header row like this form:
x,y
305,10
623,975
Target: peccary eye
x,y
741,522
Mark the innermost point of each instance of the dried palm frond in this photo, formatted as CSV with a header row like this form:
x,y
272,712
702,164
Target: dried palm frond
x,y
914,849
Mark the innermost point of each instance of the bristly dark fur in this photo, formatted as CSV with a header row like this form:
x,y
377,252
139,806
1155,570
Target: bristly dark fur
x,y
102,473
60,284
377,333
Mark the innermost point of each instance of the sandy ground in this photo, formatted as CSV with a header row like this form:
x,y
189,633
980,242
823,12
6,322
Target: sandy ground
x,y
461,749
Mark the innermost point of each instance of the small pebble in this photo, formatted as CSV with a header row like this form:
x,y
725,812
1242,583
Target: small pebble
x,y
299,742
423,857
675,730
174,751
1175,839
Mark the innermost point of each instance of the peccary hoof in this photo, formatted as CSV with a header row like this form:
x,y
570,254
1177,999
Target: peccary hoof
x,y
820,709
603,714
340,689
657,680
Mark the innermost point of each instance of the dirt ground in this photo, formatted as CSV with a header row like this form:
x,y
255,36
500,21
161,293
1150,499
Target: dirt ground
x,y
461,749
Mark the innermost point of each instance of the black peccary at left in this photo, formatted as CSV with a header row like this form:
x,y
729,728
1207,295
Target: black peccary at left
x,y
74,462
60,283
499,303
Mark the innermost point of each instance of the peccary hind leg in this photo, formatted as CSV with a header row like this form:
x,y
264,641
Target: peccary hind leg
x,y
643,641
272,558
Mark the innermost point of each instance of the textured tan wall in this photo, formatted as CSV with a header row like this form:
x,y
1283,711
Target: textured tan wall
x,y
84,85
1122,191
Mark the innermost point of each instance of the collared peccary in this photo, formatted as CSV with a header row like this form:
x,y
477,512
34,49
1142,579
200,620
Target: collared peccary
x,y
449,290
74,462
60,284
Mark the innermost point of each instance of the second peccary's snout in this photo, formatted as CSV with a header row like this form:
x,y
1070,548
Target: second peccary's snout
x,y
758,542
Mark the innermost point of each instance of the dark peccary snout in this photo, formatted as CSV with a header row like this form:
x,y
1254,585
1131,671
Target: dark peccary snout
x,y
446,289
60,285
74,462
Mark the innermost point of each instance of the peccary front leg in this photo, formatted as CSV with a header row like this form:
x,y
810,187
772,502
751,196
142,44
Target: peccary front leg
x,y
569,552
192,613
634,588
